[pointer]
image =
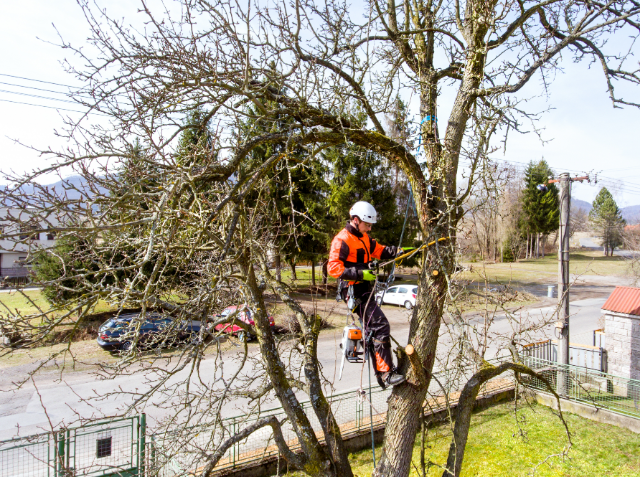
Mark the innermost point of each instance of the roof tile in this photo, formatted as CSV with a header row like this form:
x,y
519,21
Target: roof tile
x,y
624,300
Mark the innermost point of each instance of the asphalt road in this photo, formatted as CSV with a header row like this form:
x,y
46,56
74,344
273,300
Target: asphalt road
x,y
82,394
595,244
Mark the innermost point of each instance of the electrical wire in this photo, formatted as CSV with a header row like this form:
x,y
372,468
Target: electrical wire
x,y
52,107
38,96
37,89
622,186
39,81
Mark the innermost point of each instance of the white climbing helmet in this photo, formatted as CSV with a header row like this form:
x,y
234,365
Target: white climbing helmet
x,y
364,211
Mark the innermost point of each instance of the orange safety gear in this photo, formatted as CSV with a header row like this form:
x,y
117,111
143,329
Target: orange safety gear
x,y
351,252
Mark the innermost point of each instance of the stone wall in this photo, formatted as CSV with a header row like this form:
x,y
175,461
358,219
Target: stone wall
x,y
623,344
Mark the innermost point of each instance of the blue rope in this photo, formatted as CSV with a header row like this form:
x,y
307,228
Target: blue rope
x,y
391,277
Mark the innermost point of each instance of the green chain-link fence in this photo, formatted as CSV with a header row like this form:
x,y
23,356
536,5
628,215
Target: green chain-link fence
x,y
602,390
113,447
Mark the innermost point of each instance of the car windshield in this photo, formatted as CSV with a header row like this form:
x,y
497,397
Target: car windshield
x,y
414,290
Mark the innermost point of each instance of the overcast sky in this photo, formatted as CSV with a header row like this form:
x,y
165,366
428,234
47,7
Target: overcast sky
x,y
585,133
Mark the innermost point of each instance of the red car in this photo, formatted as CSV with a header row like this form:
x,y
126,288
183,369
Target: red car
x,y
243,315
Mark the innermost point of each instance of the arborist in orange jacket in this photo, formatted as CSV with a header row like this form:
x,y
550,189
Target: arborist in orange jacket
x,y
351,251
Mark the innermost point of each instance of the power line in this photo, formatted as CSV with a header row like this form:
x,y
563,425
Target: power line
x,y
38,96
52,107
37,89
39,81
622,186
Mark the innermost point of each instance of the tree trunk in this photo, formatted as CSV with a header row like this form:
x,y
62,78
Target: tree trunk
x,y
278,265
325,272
544,244
310,325
437,219
313,273
292,264
316,459
406,401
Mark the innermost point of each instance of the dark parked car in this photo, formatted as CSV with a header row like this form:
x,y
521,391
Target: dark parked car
x,y
156,330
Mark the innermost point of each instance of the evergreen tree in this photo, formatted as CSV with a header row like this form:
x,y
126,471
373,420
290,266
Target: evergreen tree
x,y
541,213
196,139
359,175
296,192
606,218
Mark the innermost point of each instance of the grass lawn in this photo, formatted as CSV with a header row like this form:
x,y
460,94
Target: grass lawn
x,y
496,447
32,300
546,269
14,300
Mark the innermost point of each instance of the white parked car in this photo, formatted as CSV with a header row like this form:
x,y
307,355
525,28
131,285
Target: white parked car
x,y
403,295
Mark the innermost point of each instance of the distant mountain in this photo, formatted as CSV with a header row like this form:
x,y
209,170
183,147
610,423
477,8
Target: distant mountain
x,y
580,204
631,214
69,187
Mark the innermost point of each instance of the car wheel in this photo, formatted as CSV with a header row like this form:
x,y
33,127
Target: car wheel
x,y
408,305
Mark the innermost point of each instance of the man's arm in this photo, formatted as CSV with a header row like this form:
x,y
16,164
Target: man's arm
x,y
337,258
382,252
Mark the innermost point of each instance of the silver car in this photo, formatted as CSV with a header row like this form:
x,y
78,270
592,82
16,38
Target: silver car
x,y
403,295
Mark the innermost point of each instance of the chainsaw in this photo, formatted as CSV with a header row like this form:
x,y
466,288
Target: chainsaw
x,y
352,346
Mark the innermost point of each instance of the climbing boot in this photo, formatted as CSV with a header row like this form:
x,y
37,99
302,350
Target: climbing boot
x,y
393,378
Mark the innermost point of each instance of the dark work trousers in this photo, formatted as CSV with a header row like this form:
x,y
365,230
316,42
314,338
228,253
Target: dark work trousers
x,y
375,323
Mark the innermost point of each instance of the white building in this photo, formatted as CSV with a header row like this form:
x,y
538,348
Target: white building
x,y
622,328
15,249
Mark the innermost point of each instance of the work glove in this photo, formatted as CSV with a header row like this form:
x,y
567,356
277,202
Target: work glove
x,y
368,275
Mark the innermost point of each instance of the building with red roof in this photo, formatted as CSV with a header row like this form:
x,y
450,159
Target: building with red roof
x,y
622,328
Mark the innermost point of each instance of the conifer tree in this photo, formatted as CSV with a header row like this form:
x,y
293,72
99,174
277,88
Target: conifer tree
x,y
606,219
541,214
196,140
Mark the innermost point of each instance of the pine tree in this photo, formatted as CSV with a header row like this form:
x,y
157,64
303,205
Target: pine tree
x,y
541,213
606,219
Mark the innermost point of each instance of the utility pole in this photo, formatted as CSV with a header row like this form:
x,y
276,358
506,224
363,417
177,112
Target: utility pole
x,y
562,325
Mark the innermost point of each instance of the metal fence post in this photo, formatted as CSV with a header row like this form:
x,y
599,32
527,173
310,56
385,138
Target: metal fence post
x,y
59,454
142,444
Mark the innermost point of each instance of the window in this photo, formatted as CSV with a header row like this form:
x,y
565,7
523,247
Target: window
x,y
402,290
26,232
414,290
51,235
103,447
392,290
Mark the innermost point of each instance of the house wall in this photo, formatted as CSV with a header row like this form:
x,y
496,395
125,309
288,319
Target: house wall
x,y
623,344
12,248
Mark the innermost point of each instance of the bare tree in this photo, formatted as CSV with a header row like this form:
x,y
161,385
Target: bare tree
x,y
193,231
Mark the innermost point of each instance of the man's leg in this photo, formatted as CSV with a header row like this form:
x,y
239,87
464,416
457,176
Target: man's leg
x,y
377,326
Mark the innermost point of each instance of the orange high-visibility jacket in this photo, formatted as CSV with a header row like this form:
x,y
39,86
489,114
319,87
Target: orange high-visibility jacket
x,y
351,252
